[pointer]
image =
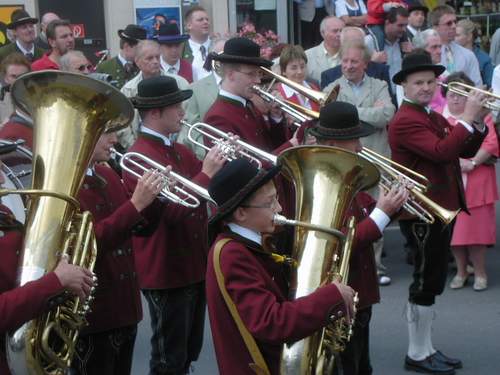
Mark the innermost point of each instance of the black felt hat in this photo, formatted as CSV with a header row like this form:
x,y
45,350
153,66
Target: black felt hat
x,y
416,62
159,92
340,120
416,5
133,33
235,182
241,51
169,34
20,17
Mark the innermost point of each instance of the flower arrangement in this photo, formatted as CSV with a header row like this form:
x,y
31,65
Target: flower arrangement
x,y
266,40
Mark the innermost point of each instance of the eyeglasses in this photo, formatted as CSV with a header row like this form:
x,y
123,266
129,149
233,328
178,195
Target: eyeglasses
x,y
273,204
449,23
81,68
255,74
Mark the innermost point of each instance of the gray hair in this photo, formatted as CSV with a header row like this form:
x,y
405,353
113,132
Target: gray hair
x,y
356,45
143,45
420,39
216,41
65,61
322,25
350,29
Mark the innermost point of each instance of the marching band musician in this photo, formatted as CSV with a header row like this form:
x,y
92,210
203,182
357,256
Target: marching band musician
x,y
250,315
171,261
424,141
21,304
339,126
106,345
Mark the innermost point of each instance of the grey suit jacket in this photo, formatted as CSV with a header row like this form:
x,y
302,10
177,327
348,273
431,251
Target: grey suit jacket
x,y
205,92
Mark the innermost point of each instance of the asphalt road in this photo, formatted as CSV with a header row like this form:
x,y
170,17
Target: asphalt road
x,y
467,323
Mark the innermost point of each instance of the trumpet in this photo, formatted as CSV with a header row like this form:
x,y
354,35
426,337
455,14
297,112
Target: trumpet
x,y
221,139
418,204
181,195
464,90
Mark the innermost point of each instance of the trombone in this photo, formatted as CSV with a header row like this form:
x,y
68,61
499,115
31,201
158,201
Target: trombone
x,y
221,139
464,90
181,195
418,204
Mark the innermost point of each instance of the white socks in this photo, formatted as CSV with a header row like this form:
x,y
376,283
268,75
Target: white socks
x,y
419,329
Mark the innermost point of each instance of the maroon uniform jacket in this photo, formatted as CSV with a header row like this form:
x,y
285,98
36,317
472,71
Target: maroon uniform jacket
x,y
362,270
257,286
19,305
18,128
175,254
428,144
186,70
117,299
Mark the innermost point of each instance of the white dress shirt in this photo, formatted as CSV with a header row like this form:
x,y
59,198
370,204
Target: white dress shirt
x,y
249,234
198,71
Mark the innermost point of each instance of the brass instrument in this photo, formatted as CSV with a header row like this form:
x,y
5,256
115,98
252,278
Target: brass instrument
x,y
326,179
463,89
181,195
219,138
70,112
418,204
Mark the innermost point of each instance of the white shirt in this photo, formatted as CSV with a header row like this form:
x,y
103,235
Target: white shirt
x,y
166,67
342,5
25,51
166,140
229,95
122,60
249,234
198,71
380,219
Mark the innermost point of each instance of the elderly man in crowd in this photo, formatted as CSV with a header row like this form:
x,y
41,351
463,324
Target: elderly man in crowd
x,y
75,62
41,40
454,57
148,61
61,40
12,67
326,54
22,26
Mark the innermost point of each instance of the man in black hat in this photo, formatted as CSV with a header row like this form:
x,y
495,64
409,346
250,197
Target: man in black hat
x,y
171,261
416,18
23,28
171,44
339,126
122,67
250,315
422,140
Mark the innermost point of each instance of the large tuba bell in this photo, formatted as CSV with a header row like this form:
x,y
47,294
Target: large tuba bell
x,y
326,180
70,112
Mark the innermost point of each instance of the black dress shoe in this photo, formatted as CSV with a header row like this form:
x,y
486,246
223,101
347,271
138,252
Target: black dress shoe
x,y
428,365
453,362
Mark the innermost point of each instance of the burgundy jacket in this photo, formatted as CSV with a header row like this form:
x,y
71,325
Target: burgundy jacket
x,y
186,70
21,304
18,128
175,253
257,286
428,144
117,300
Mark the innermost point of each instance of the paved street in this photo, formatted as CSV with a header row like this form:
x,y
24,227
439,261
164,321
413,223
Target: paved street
x,y
467,323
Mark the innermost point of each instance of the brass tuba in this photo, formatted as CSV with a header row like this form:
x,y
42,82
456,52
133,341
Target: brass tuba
x,y
326,180
70,112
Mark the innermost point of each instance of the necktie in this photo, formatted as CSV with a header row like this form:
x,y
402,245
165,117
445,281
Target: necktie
x,y
450,61
171,70
30,56
203,51
129,67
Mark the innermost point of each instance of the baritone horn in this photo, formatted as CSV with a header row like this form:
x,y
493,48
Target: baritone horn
x,y
464,89
133,161
219,138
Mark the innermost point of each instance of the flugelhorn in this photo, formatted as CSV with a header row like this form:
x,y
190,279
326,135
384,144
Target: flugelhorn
x,y
418,204
463,89
221,139
182,193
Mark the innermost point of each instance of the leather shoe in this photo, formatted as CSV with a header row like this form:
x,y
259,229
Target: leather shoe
x,y
428,365
453,362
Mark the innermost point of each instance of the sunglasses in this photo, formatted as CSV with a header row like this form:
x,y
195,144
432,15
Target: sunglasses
x,y
81,68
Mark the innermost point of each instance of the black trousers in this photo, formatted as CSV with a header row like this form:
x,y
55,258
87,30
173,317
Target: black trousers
x,y
177,322
309,31
431,248
105,353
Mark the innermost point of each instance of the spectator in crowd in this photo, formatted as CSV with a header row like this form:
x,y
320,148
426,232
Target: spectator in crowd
x,y
473,233
395,42
198,45
75,62
495,47
377,17
22,26
122,67
171,45
352,12
326,54
454,57
41,40
467,34
12,67
416,18
61,40
311,14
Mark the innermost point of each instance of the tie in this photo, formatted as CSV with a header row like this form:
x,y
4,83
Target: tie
x,y
450,62
203,51
171,70
30,56
129,67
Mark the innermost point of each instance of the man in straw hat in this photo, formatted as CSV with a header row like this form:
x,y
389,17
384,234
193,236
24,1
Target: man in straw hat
x,y
23,28
339,126
247,283
171,260
422,140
